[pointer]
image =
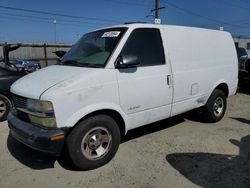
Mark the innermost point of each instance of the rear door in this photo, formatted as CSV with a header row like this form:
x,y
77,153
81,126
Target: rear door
x,y
146,87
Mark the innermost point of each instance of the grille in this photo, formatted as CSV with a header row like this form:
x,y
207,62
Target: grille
x,y
19,102
23,116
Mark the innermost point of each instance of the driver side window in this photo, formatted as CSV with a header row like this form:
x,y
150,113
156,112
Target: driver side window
x,y
145,43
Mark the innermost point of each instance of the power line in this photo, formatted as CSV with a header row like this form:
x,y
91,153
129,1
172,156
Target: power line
x,y
235,5
129,3
204,17
41,21
51,19
60,15
241,20
23,19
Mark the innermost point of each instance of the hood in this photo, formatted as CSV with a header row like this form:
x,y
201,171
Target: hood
x,y
34,84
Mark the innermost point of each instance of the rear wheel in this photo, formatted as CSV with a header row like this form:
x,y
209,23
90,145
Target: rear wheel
x,y
5,106
93,142
216,106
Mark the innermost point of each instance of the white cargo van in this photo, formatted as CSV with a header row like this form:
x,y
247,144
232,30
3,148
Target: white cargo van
x,y
118,78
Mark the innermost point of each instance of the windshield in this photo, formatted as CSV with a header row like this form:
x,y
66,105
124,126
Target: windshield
x,y
93,49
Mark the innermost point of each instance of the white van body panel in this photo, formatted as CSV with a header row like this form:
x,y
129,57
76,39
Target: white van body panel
x,y
201,59
197,60
84,93
144,93
88,109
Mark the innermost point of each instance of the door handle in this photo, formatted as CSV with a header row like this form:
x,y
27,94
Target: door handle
x,y
169,80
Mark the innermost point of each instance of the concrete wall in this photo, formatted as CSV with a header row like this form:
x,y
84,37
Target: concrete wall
x,y
36,52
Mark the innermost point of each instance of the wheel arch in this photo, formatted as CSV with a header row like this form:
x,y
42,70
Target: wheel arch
x,y
223,87
114,113
5,93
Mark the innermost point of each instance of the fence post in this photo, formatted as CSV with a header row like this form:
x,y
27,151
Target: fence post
x,y
45,54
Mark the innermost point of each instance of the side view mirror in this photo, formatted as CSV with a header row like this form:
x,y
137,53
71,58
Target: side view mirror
x,y
127,61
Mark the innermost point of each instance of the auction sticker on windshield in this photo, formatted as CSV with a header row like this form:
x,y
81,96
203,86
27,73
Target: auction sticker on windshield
x,y
111,34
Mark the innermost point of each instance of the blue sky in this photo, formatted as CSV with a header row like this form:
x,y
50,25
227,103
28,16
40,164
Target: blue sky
x,y
26,26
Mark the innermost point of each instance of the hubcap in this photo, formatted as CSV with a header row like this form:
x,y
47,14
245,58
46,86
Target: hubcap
x,y
2,108
96,143
218,106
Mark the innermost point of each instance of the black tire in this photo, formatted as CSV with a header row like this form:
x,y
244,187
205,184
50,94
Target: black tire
x,y
83,158
5,107
213,110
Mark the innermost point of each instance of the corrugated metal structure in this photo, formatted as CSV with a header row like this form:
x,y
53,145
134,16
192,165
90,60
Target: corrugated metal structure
x,y
37,52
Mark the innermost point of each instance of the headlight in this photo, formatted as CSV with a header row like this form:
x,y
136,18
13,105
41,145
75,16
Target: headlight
x,y
40,112
39,106
43,121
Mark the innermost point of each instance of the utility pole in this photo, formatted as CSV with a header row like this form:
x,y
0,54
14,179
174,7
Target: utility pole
x,y
156,10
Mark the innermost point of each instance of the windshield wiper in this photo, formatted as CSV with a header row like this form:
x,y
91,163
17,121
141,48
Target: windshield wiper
x,y
70,62
91,65
76,63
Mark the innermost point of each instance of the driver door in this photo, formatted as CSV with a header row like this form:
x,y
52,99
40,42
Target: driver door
x,y
145,90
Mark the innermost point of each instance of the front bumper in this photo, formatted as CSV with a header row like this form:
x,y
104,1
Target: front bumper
x,y
38,138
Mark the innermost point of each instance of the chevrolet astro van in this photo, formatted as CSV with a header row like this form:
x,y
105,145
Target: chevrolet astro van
x,y
118,78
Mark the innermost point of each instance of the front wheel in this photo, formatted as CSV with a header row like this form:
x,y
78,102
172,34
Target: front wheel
x,y
93,142
216,106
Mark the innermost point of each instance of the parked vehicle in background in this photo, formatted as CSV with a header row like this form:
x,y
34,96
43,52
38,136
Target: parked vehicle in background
x,y
118,78
241,53
24,65
244,66
8,75
244,74
10,71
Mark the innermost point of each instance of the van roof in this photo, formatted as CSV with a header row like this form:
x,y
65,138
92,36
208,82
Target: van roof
x,y
149,25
